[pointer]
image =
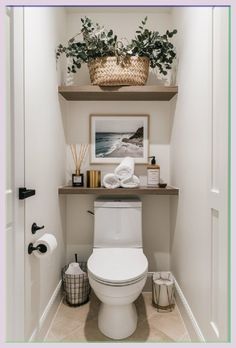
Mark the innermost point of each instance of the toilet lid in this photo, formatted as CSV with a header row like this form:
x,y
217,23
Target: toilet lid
x,y
117,265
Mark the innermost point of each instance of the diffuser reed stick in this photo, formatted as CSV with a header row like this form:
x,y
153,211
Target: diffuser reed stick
x,y
78,156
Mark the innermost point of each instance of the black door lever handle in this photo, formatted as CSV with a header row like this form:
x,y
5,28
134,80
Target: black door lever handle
x,y
35,228
24,193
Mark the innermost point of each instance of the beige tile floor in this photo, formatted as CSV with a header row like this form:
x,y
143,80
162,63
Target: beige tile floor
x,y
79,324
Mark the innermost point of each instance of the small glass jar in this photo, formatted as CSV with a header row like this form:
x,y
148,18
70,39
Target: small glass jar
x,y
77,179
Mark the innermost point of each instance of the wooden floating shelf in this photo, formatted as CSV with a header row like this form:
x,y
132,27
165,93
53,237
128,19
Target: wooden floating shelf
x,y
158,92
142,190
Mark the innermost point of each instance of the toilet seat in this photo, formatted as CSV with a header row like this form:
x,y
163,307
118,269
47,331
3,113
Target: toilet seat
x,y
117,266
131,282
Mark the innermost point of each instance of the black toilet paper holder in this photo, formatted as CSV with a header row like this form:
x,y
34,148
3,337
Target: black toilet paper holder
x,y
41,248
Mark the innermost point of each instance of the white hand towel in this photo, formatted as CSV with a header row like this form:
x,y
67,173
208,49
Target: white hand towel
x,y
110,181
125,169
74,269
131,182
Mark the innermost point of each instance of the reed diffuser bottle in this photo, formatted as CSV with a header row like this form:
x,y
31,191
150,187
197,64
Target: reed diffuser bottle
x,y
77,176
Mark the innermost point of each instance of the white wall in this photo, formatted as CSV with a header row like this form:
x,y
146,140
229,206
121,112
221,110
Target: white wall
x,y
199,155
45,160
79,228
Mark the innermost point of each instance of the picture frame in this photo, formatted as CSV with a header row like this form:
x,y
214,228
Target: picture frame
x,y
115,136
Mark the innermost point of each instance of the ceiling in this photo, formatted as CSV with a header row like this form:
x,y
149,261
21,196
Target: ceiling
x,y
118,9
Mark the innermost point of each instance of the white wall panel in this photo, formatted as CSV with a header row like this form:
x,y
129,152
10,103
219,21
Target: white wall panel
x,y
198,165
44,158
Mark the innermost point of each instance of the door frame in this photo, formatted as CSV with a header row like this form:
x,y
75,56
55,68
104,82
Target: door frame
x,y
18,167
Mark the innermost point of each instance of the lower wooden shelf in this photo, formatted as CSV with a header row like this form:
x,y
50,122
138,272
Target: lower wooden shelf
x,y
142,190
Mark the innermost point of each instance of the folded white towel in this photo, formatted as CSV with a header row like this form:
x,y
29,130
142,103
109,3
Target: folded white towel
x,y
125,169
131,182
110,181
74,269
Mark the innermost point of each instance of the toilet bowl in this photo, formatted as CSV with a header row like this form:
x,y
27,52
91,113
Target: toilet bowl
x,y
117,276
117,268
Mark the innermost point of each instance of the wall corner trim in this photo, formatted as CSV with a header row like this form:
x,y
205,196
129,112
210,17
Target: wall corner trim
x,y
45,320
190,321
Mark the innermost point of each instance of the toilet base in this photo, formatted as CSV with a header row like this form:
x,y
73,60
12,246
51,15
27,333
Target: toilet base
x,y
117,322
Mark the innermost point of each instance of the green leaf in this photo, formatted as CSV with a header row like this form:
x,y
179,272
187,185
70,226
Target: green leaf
x,y
144,21
82,55
110,33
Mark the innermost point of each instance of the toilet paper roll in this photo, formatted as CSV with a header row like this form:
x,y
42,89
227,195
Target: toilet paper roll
x,y
47,240
164,288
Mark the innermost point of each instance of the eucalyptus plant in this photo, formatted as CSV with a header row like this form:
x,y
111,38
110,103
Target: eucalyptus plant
x,y
156,47
98,42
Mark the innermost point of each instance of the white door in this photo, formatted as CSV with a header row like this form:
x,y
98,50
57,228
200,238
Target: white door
x,y
36,133
219,314
14,113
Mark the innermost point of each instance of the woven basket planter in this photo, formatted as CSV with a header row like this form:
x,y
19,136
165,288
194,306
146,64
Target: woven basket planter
x,y
107,71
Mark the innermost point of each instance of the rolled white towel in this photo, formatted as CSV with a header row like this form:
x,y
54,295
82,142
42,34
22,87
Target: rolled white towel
x,y
131,182
110,181
125,169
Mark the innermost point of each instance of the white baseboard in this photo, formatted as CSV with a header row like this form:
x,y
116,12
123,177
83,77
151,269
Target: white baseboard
x,y
44,322
190,321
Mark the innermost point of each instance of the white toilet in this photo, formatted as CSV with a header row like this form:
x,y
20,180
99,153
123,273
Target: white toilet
x,y
117,268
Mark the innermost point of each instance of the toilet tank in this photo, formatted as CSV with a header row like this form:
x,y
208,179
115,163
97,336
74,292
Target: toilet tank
x,y
117,223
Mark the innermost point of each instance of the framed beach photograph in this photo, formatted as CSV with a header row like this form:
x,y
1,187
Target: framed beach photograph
x,y
113,137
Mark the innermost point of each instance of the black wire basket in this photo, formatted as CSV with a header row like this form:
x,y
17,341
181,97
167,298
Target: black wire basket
x,y
76,287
